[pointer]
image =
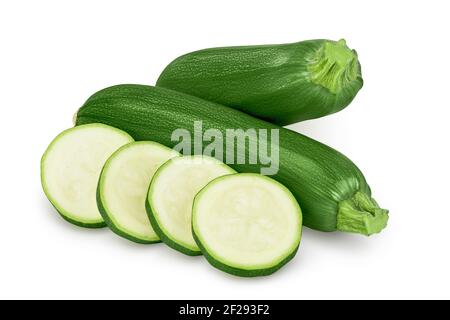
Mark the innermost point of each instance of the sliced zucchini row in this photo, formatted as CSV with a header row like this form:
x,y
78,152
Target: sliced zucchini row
x,y
247,224
171,196
123,185
71,166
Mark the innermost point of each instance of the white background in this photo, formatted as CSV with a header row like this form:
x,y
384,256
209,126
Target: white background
x,y
54,54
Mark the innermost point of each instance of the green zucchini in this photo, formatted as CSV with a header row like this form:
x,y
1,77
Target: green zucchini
x,y
247,224
171,195
71,166
283,83
332,191
123,185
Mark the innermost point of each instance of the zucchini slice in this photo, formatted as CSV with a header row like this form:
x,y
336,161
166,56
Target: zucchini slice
x,y
171,195
70,168
123,187
247,224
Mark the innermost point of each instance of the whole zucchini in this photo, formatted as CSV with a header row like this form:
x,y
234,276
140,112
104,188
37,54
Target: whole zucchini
x,y
283,83
331,190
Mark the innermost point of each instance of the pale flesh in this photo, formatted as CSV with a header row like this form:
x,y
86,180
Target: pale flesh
x,y
124,184
247,221
172,194
71,167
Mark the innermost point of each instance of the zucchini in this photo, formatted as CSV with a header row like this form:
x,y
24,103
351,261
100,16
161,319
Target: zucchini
x,y
123,185
70,168
171,195
332,191
247,224
283,83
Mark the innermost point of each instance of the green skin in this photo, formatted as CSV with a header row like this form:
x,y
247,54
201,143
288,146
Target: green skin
x,y
79,223
329,187
234,270
242,272
282,84
166,239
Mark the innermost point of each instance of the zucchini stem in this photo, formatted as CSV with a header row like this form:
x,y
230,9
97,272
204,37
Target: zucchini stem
x,y
334,66
361,214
